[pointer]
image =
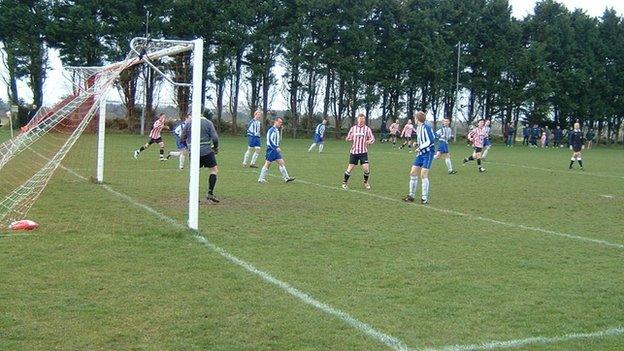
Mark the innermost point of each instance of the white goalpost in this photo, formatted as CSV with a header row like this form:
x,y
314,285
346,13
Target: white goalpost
x,y
45,141
197,47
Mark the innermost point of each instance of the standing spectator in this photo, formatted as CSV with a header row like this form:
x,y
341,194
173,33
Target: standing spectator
x,y
526,132
510,135
536,133
383,133
590,138
558,134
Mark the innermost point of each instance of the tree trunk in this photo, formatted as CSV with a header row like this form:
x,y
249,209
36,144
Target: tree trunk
x,y
235,93
311,90
220,87
37,69
294,95
11,64
328,87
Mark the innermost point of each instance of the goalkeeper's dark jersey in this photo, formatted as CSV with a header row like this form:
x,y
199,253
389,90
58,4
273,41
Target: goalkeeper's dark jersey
x,y
576,138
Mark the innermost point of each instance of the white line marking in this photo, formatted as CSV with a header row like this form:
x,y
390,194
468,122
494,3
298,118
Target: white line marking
x,y
17,234
608,196
384,338
571,172
495,345
480,218
388,340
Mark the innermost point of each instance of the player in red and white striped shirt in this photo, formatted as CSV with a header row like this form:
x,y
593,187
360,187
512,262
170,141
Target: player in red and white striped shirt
x,y
477,138
155,137
361,136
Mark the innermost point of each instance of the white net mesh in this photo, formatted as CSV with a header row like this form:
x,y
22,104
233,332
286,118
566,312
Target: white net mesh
x,y
28,160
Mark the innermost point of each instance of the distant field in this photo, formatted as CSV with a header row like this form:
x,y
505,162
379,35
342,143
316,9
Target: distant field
x,y
528,249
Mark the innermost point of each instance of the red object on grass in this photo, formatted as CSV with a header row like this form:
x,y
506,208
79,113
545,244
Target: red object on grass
x,y
25,224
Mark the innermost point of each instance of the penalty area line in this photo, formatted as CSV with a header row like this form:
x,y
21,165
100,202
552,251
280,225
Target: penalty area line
x,y
302,296
538,340
386,339
466,215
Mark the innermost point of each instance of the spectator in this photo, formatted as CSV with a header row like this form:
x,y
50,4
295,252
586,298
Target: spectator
x,y
590,138
526,131
558,134
536,133
510,135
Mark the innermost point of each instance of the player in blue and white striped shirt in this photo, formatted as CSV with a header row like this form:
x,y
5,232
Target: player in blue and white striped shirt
x,y
319,135
422,163
181,144
444,135
253,140
274,153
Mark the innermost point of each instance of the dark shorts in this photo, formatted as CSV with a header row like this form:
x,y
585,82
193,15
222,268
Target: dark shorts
x,y
208,161
577,148
154,141
478,149
354,159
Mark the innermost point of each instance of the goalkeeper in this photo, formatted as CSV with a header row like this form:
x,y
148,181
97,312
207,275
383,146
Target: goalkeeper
x,y
208,148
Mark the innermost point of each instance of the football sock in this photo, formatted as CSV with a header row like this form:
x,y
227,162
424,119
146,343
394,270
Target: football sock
x,y
311,147
254,157
572,162
284,172
321,146
212,181
580,162
413,183
142,148
246,157
263,173
449,165
425,188
181,160
162,153
485,152
479,162
346,176
366,175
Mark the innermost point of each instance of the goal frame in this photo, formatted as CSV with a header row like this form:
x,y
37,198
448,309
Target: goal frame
x,y
196,47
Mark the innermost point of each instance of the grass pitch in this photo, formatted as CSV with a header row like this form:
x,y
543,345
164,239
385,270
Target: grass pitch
x,y
527,249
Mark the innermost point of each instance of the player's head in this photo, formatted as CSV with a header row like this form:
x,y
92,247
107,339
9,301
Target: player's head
x,y
420,117
278,122
324,121
162,116
188,117
446,122
487,122
409,121
258,115
361,119
577,125
396,120
481,123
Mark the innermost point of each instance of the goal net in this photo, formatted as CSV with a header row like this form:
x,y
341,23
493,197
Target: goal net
x,y
71,133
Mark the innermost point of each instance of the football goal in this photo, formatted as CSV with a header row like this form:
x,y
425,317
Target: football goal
x,y
29,160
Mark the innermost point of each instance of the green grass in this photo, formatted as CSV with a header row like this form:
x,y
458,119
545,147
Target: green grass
x,y
104,274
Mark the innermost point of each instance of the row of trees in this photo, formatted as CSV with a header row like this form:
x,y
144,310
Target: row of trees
x,y
385,57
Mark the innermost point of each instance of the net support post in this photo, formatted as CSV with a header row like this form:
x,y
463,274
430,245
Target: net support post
x,y
196,113
99,176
